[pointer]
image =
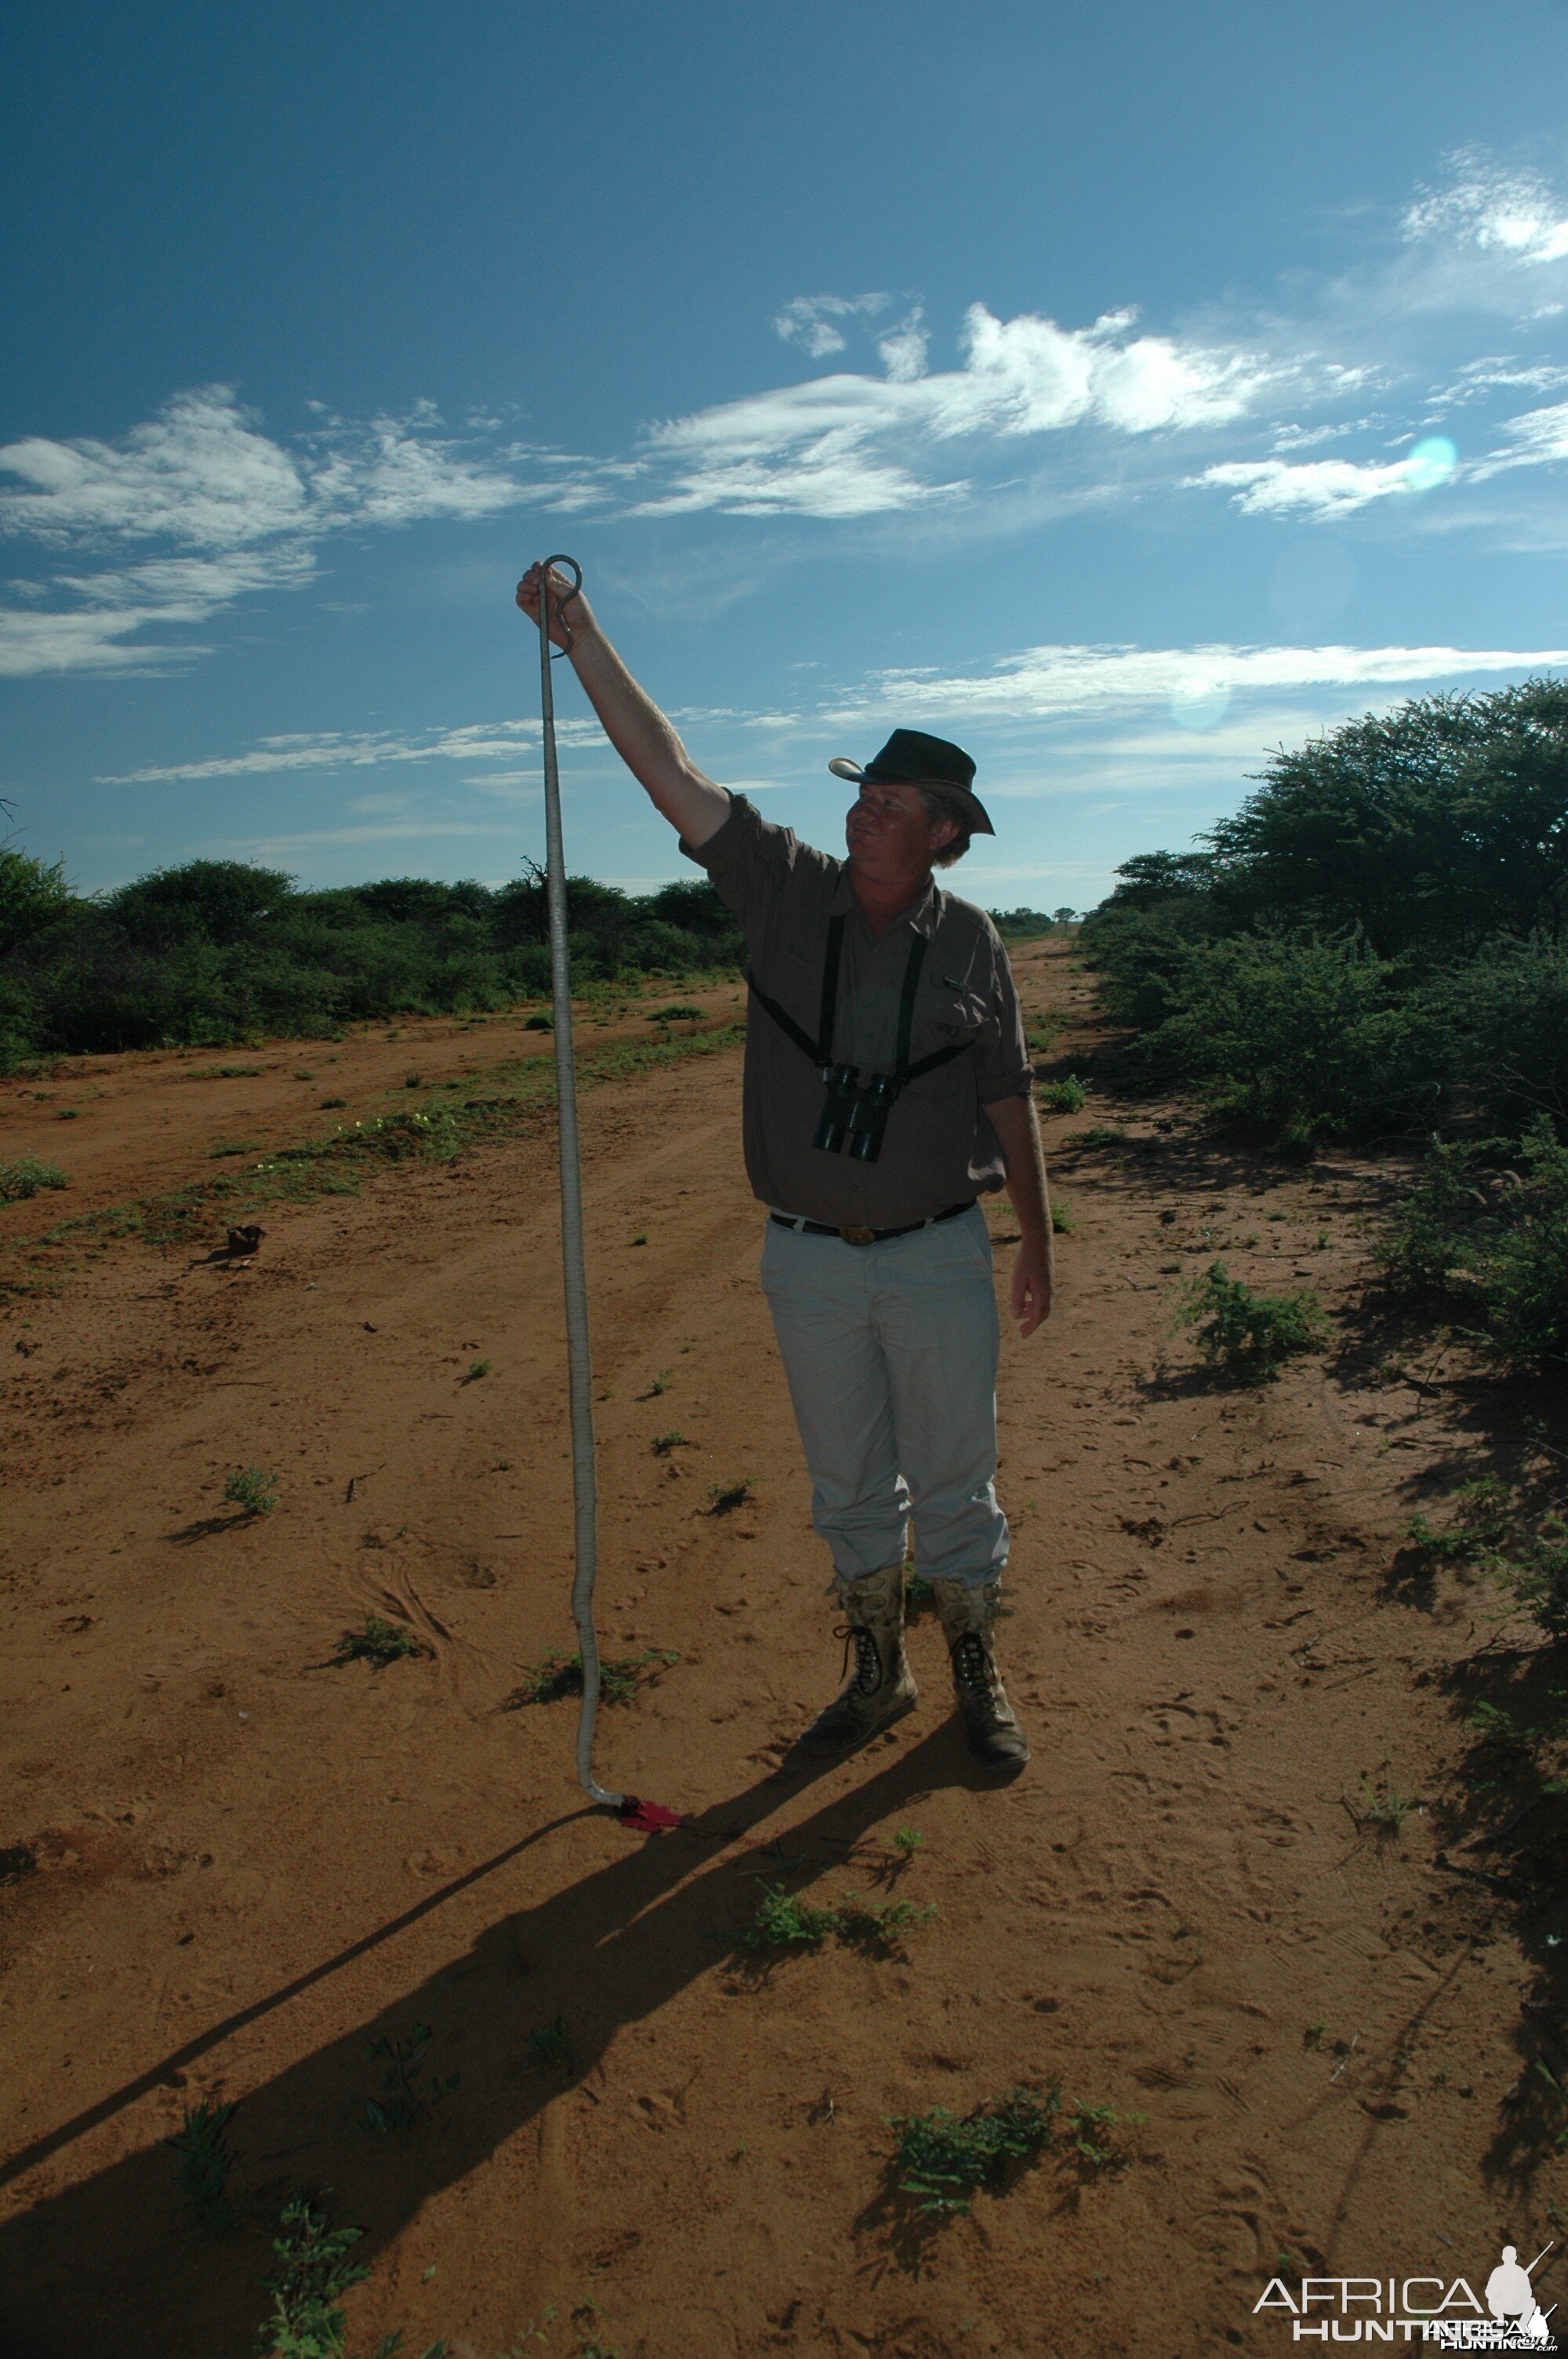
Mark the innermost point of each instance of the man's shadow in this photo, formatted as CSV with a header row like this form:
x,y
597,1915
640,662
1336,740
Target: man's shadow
x,y
112,2264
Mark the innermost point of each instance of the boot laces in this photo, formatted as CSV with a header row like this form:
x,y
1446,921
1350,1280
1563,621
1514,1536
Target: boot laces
x,y
971,1668
868,1660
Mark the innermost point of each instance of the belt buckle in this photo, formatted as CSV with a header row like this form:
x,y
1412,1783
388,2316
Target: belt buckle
x,y
859,1236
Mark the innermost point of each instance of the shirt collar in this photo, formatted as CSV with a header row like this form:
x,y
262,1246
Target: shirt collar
x,y
923,916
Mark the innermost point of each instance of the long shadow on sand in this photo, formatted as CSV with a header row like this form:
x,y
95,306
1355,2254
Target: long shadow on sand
x,y
109,2263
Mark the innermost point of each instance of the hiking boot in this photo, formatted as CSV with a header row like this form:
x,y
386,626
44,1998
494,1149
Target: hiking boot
x,y
881,1687
991,1725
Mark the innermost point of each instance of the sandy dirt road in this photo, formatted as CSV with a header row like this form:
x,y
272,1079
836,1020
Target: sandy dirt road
x,y
232,1865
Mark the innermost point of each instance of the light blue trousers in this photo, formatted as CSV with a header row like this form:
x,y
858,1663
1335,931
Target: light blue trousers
x,y
891,1352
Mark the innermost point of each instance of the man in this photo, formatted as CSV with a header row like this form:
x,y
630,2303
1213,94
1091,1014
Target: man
x,y
887,1088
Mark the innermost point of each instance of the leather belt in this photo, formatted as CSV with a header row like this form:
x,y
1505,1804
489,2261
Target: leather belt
x,y
858,1236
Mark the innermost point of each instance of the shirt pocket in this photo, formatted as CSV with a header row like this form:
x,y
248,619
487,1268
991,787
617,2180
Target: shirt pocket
x,y
948,1019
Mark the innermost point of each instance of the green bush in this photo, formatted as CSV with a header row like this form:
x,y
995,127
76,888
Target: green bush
x,y
1526,1552
218,951
32,896
1430,828
24,1175
378,1642
1305,1035
1378,932
1437,1229
1249,1334
945,2157
785,1921
1507,1010
1522,1273
1488,1224
251,1489
619,1678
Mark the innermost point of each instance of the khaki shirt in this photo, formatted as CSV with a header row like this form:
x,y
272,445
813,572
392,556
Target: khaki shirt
x,y
938,1148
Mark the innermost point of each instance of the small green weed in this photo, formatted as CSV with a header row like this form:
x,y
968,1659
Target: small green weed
x,y
378,1642
1065,1096
413,1081
944,2157
303,1076
561,1675
641,1238
539,1024
678,1015
1384,1812
1089,2125
662,1444
476,1369
67,1113
224,1073
728,1495
661,1384
403,2096
329,1105
234,1147
918,1593
785,1921
314,2272
908,1840
24,1175
549,2045
1062,1220
1312,2034
205,2163
1099,1135
251,1489
1249,1334
1505,1737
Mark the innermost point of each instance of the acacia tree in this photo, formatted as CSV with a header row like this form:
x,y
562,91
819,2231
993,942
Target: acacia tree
x,y
33,895
1428,828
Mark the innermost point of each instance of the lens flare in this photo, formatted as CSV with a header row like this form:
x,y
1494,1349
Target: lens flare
x,y
1431,463
1200,705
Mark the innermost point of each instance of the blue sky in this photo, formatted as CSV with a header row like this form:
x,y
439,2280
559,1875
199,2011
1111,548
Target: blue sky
x,y
1119,392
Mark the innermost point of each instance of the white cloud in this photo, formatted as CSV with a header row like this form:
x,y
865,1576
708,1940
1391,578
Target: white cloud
x,y
473,741
1318,487
395,470
1510,212
1192,689
198,472
902,349
1032,418
809,320
1538,437
241,512
849,445
102,632
1056,682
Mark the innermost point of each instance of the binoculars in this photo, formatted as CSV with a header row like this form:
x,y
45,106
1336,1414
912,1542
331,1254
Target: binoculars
x,y
855,1110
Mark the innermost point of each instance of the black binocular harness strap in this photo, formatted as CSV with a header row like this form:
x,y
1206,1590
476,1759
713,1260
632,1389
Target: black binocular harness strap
x,y
820,1050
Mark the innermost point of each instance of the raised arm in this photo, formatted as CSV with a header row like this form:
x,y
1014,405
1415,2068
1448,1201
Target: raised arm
x,y
645,741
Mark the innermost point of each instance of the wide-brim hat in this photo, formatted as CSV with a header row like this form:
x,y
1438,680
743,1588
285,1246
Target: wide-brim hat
x,y
910,758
